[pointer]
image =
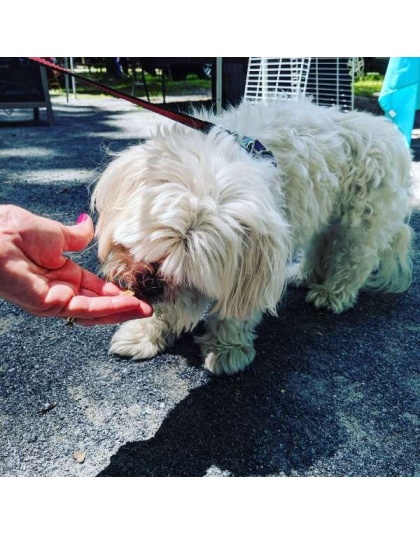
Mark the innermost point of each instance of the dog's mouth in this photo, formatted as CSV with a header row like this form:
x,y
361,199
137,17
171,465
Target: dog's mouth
x,y
146,284
143,279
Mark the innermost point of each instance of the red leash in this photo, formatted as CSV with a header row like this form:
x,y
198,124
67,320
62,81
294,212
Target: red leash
x,y
182,118
251,145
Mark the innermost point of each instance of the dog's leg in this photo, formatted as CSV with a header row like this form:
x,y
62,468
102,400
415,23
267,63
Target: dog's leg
x,y
227,344
311,268
337,264
144,338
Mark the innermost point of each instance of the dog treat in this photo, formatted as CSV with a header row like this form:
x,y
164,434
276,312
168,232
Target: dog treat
x,y
128,292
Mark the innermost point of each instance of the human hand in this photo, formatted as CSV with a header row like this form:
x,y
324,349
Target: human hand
x,y
36,276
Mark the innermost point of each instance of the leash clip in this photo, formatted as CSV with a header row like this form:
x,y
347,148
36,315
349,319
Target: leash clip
x,y
254,147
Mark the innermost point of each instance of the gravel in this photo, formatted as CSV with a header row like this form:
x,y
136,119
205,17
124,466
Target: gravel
x,y
328,395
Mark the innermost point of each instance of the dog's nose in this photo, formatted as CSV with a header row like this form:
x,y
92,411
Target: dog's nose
x,y
150,286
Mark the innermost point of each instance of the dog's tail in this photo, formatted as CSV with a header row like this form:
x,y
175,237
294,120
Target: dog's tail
x,y
394,272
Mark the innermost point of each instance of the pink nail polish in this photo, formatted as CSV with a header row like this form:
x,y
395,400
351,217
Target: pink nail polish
x,y
82,218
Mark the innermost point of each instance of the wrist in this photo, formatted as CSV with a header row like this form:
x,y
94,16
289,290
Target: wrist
x,y
7,264
5,213
9,234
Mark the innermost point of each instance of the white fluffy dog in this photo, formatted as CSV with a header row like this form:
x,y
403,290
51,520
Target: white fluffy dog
x,y
190,220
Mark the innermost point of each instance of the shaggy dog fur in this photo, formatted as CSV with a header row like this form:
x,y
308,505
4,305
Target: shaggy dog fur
x,y
190,220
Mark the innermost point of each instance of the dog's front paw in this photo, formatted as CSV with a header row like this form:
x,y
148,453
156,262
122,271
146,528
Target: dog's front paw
x,y
335,301
136,340
229,360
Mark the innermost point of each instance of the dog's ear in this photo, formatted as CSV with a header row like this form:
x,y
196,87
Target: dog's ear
x,y
260,277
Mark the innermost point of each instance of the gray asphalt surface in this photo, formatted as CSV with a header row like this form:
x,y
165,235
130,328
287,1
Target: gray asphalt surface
x,y
326,396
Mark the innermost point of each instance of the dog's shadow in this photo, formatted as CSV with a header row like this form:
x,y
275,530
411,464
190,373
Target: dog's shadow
x,y
274,418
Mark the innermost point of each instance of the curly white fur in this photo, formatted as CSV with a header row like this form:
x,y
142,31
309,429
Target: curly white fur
x,y
221,227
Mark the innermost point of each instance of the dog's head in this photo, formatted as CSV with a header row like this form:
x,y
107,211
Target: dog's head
x,y
187,210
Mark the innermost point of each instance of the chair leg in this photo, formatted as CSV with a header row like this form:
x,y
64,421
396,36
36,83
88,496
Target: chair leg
x,y
136,83
163,87
145,85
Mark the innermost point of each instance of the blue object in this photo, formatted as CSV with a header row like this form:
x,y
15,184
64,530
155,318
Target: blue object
x,y
400,94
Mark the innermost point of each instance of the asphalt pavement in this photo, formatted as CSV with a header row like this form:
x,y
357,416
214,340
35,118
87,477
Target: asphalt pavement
x,y
327,395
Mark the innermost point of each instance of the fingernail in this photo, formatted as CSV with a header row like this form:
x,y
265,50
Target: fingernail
x,y
82,218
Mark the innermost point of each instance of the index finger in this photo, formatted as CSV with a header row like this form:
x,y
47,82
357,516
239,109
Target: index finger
x,y
84,307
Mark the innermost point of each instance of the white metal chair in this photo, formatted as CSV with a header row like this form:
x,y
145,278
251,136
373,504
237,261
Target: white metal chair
x,y
328,81
270,78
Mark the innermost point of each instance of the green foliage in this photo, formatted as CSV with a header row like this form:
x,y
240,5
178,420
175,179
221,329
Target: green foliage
x,y
191,85
368,85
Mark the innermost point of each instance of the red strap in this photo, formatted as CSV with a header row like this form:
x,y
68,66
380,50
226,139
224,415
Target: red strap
x,y
187,120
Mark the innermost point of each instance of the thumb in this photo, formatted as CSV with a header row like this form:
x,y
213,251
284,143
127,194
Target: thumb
x,y
77,237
